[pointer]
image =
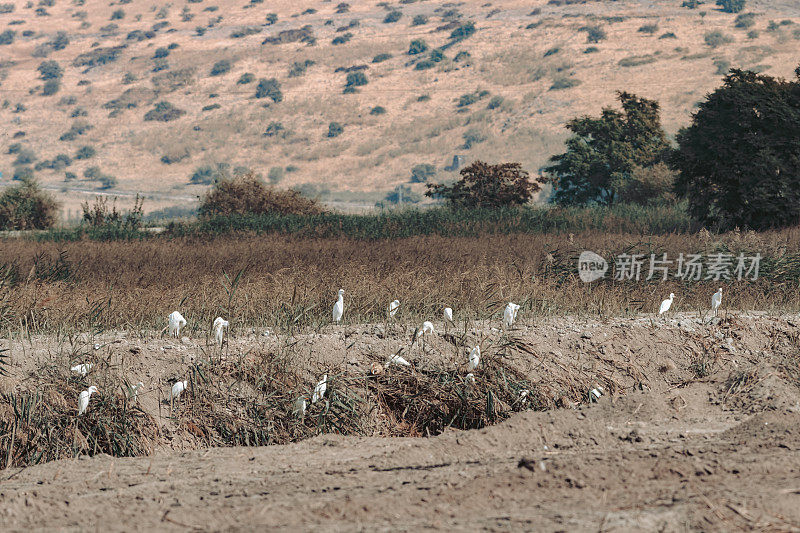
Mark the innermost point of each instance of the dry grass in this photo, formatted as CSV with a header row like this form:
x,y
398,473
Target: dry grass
x,y
137,284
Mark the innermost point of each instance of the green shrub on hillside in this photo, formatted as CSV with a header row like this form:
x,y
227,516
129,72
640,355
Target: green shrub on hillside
x,y
26,206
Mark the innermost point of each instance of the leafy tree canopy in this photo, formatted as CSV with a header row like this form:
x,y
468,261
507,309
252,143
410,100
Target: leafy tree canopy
x,y
739,161
485,185
604,151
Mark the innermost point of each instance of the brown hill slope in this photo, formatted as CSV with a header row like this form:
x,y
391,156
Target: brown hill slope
x,y
527,68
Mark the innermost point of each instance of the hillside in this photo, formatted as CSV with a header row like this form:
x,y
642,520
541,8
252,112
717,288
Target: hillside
x,y
500,93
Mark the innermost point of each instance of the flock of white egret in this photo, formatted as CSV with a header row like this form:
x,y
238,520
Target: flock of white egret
x,y
176,321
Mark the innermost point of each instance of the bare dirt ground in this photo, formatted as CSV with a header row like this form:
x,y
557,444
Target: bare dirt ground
x,y
699,429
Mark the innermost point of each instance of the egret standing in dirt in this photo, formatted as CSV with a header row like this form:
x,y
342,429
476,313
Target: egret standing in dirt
x,y
299,408
177,389
135,391
448,314
176,322
474,357
716,301
83,399
396,359
666,304
82,369
219,324
510,314
319,390
393,307
427,327
338,307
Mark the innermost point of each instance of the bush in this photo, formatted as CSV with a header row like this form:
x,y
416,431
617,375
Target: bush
x,y
564,82
425,64
716,38
419,20
495,102
722,66
381,58
356,79
668,35
208,174
417,46
25,156
591,50
392,16
248,195
50,70
463,31
7,37
85,152
118,14
221,67
22,173
402,194
745,20
51,87
648,28
269,88
160,52
487,186
274,129
334,130
246,78
164,112
377,110
6,8
552,51
299,68
731,6
422,173
342,39
271,18
595,34
472,137
275,175
26,206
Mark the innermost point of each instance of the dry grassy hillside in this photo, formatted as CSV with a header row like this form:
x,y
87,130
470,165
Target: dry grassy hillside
x,y
528,67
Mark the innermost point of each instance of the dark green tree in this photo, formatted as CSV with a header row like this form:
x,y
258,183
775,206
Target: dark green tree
x,y
739,161
485,185
731,6
604,151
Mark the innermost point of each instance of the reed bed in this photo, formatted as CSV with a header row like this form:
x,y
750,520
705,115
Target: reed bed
x,y
288,283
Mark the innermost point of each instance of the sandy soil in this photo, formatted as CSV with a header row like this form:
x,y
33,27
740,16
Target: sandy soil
x,y
666,451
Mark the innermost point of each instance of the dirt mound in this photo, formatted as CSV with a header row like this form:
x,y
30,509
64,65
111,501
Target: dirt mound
x,y
664,447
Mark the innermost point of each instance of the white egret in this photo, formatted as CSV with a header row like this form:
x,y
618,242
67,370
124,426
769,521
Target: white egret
x,y
666,304
427,327
393,307
82,369
448,314
135,390
510,314
219,324
475,357
523,396
83,399
595,393
397,360
319,390
177,389
716,301
299,409
176,322
470,378
338,307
